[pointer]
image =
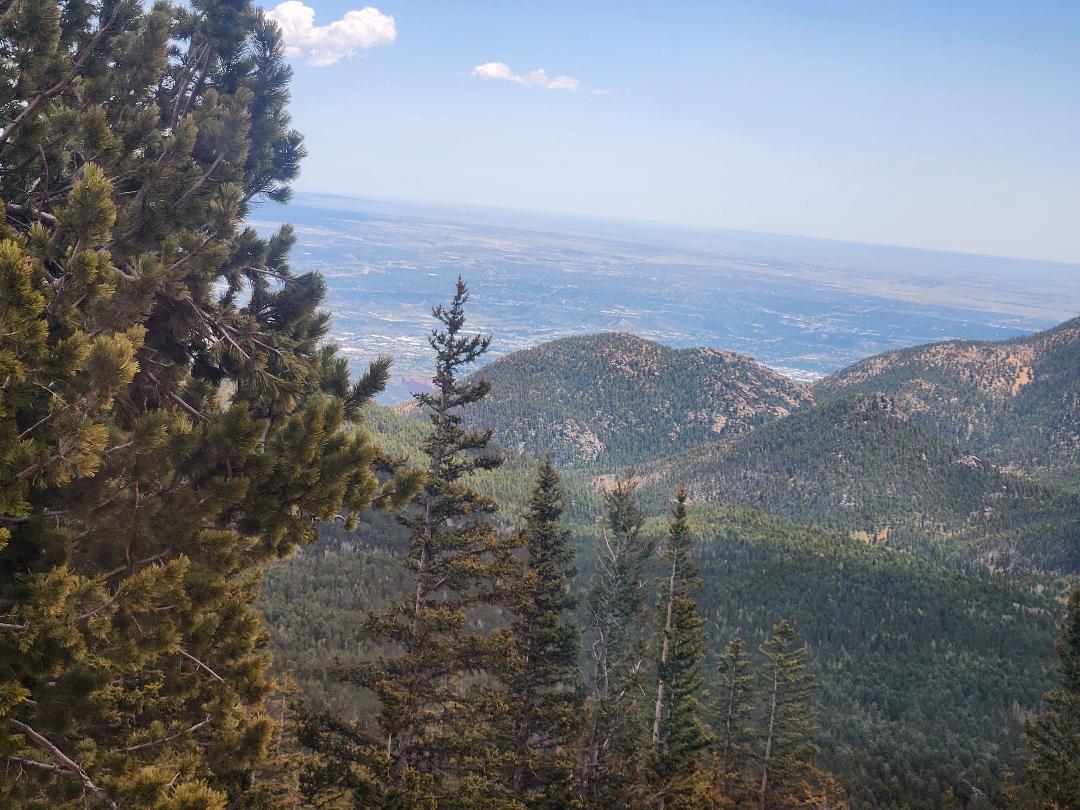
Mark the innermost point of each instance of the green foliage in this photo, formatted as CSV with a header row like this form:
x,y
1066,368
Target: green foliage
x,y
785,749
543,693
170,418
732,706
924,672
1054,736
433,715
615,604
860,464
678,731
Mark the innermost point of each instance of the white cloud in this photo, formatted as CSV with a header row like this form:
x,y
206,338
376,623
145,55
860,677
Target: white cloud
x,y
534,78
324,45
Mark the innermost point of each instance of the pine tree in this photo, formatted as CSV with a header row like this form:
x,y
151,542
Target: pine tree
x,y
785,745
436,736
678,732
543,682
616,606
170,417
1054,736
732,708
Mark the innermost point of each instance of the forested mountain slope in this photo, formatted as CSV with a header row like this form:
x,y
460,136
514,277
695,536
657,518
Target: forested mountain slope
x,y
860,464
1017,401
926,667
924,671
614,399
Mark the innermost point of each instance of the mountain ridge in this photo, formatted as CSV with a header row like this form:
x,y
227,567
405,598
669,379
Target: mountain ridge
x,y
613,398
862,465
1017,401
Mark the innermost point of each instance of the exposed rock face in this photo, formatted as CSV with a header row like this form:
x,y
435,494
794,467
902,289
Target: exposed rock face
x,y
1018,402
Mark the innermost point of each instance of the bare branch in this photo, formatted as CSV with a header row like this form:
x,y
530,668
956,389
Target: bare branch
x,y
199,183
30,213
64,763
201,666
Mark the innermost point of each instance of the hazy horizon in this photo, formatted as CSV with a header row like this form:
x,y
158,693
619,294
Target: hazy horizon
x,y
803,306
941,126
447,205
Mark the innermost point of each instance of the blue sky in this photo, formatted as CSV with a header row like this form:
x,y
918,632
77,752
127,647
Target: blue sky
x,y
952,125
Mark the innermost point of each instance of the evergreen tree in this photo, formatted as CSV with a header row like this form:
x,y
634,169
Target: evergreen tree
x,y
616,607
436,738
543,681
785,743
170,417
678,733
732,707
1054,736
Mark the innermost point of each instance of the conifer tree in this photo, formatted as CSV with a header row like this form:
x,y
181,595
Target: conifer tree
x,y
785,743
543,680
1054,736
616,609
678,732
436,736
732,708
170,417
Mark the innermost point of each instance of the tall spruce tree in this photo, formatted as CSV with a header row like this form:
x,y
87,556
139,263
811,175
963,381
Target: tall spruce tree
x,y
436,743
616,608
543,691
785,742
1054,736
169,415
678,732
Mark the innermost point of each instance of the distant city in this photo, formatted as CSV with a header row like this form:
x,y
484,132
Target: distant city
x,y
805,307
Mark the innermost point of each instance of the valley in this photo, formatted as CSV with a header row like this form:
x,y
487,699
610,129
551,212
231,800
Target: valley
x,y
926,575
351,503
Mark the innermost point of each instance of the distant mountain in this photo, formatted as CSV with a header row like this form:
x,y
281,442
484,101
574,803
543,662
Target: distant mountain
x,y
1017,401
861,464
614,399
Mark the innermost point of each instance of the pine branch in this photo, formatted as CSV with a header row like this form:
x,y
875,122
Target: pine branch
x,y
61,85
65,763
199,183
201,665
164,740
48,513
30,213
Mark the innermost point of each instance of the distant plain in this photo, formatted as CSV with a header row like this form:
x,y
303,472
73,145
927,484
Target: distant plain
x,y
803,306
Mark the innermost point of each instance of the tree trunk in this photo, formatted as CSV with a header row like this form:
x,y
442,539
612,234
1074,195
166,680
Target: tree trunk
x,y
658,715
408,732
768,744
664,656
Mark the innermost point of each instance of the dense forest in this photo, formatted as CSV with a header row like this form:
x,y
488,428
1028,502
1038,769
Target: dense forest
x,y
861,464
924,667
229,579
